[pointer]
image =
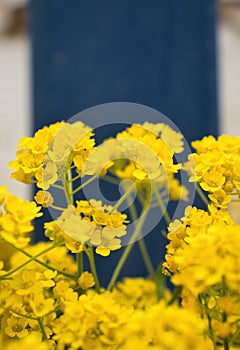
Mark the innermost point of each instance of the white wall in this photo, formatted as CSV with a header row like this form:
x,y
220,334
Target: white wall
x,y
229,70
14,105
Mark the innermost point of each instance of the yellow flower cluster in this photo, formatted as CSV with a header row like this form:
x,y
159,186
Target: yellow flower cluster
x,y
203,257
16,217
164,328
27,302
43,157
45,282
195,222
100,321
49,301
216,167
89,223
150,150
151,145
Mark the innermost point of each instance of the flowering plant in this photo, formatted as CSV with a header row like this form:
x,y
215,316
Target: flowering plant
x,y
50,300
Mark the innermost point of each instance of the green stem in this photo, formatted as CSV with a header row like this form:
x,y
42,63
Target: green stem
x,y
27,262
160,282
110,179
84,184
202,195
79,256
204,306
75,178
69,185
79,264
57,186
175,295
127,250
125,196
57,208
66,189
90,254
226,344
161,205
141,244
43,263
21,315
41,326
141,198
146,257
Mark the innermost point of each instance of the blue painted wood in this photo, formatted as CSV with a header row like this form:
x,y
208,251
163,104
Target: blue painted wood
x,y
159,53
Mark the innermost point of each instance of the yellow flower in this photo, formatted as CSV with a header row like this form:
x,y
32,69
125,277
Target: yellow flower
x,y
100,218
117,219
220,198
92,322
21,210
84,143
47,277
70,140
31,162
214,255
37,144
3,193
229,304
16,327
64,293
154,328
172,138
44,198
74,246
99,225
16,222
32,341
47,176
139,293
108,243
5,298
26,283
74,226
217,164
99,160
212,181
60,150
19,174
150,148
84,207
86,280
204,145
221,329
41,306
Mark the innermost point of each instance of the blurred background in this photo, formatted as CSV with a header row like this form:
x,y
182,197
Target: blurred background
x,y
32,33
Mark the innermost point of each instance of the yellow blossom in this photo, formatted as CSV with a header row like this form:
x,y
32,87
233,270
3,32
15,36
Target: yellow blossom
x,y
16,327
41,306
32,341
3,193
47,176
220,198
16,223
212,181
44,198
86,280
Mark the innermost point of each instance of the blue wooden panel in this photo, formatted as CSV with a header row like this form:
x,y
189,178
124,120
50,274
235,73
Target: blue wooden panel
x,y
160,53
